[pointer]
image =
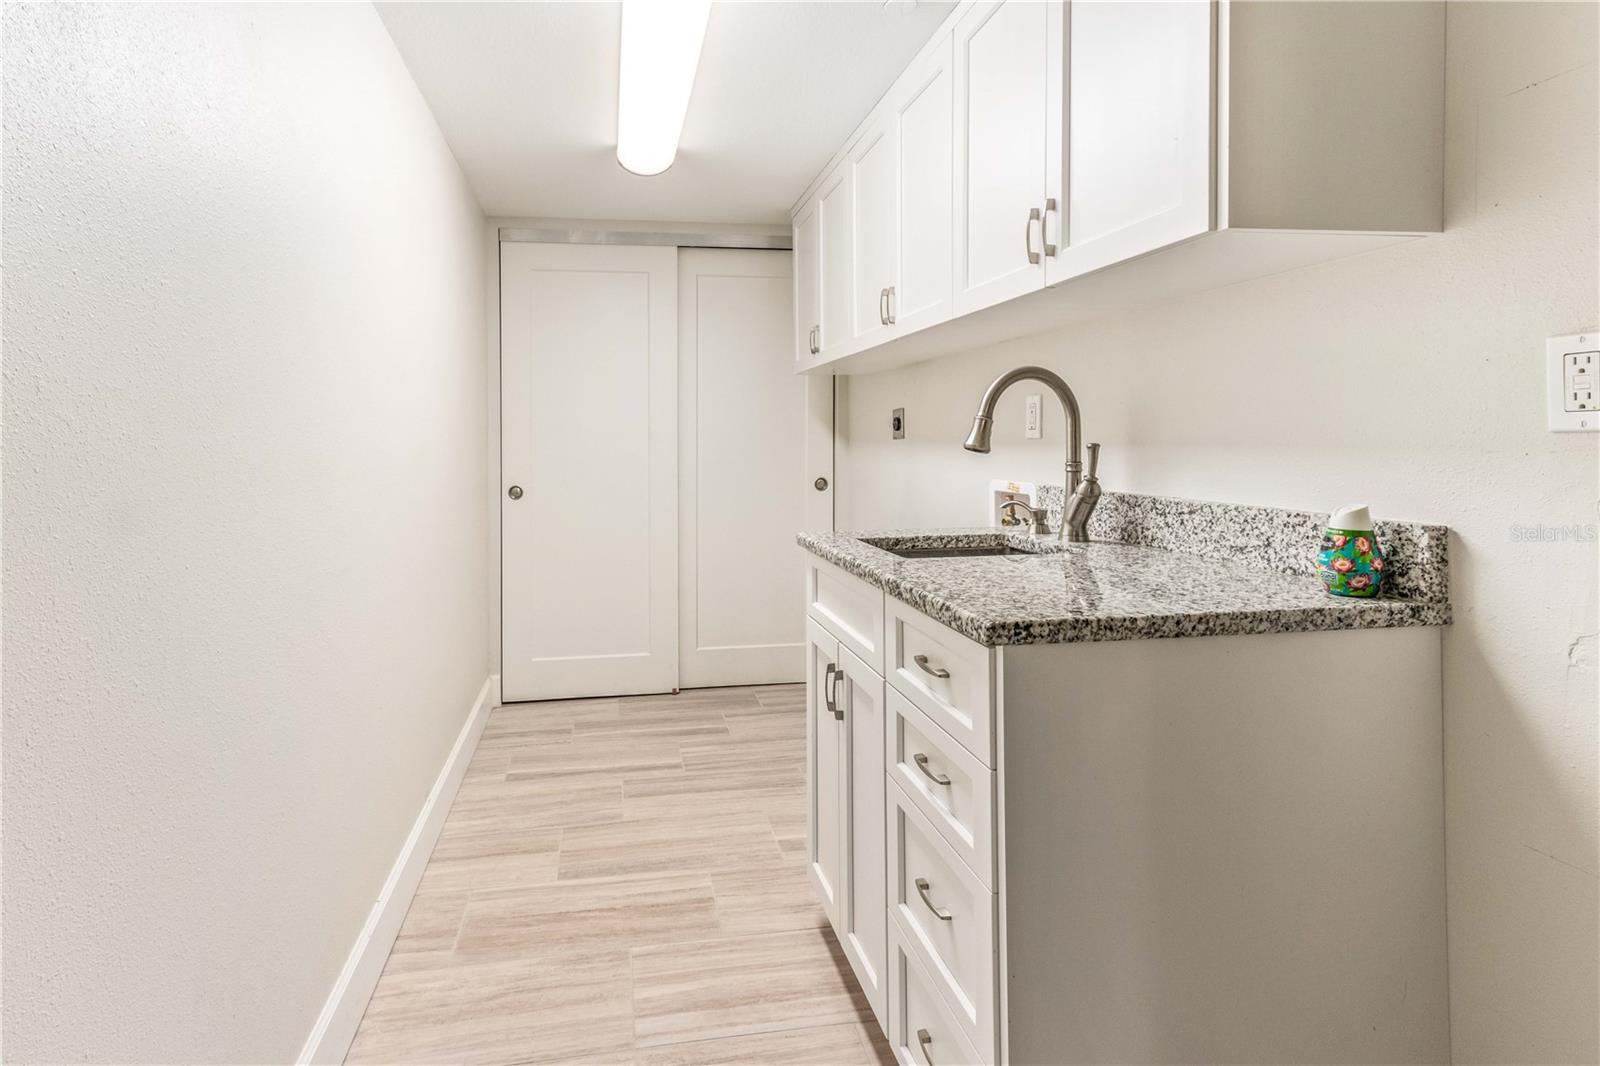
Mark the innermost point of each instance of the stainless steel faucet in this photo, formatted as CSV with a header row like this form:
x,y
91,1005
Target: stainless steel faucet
x,y
1082,492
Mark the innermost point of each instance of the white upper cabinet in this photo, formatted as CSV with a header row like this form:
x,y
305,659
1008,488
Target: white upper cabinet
x,y
872,170
1130,164
1045,161
1001,96
807,279
837,283
920,116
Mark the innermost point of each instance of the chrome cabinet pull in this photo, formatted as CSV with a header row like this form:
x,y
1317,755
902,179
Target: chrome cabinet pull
x,y
936,671
891,304
923,1040
938,912
1044,227
922,764
883,307
1027,235
838,704
827,688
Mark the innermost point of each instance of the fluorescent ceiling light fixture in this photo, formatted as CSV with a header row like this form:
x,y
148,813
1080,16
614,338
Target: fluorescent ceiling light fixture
x,y
661,42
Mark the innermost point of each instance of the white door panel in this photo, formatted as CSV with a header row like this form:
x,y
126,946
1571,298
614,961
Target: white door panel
x,y
742,470
863,910
807,278
837,285
589,437
1138,131
923,139
872,172
1001,100
825,824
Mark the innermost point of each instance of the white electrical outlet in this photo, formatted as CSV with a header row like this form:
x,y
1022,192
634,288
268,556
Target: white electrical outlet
x,y
1572,382
1032,425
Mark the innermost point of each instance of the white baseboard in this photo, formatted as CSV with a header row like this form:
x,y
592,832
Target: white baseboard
x,y
331,1037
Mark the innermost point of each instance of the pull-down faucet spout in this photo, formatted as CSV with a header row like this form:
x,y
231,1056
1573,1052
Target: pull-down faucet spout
x,y
1075,531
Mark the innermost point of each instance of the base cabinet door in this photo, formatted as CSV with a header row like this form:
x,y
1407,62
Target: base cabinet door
x,y
824,771
863,912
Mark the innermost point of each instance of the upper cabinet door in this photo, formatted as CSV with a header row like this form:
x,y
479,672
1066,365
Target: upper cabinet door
x,y
837,283
872,175
920,116
1001,100
807,277
1135,143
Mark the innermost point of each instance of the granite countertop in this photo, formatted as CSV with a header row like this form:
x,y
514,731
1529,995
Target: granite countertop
x,y
1114,591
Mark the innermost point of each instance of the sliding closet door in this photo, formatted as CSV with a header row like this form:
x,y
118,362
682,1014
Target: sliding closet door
x,y
743,484
589,489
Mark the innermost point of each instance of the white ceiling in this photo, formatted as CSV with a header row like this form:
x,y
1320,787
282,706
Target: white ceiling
x,y
526,94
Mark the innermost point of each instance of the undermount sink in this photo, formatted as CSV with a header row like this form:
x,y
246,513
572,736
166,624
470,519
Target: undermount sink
x,y
952,551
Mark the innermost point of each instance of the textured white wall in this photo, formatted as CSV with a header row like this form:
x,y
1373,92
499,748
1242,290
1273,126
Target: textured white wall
x,y
1412,378
245,551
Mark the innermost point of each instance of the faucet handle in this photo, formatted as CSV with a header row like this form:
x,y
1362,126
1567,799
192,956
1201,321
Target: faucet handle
x,y
1094,460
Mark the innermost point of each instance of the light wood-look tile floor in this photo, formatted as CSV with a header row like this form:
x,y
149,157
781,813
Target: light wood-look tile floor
x,y
623,882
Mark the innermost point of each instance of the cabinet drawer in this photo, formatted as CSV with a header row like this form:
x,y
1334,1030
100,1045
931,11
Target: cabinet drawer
x,y
948,917
948,676
921,1028
847,607
946,782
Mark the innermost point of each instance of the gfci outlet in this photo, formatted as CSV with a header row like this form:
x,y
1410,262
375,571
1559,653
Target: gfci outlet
x,y
1032,426
1572,368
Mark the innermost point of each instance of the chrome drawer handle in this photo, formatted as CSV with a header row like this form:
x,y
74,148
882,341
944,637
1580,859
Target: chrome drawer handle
x,y
923,1040
939,913
1027,235
936,671
1044,227
922,764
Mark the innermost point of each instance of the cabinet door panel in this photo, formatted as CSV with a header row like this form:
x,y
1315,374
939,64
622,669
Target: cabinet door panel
x,y
872,166
864,910
824,773
1001,91
807,267
1137,132
837,278
924,143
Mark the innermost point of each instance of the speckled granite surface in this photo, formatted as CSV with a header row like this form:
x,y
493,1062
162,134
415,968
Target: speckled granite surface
x,y
1236,573
1271,537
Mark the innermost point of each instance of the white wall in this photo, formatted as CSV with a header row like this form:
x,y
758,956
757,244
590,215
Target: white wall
x,y
245,545
1412,378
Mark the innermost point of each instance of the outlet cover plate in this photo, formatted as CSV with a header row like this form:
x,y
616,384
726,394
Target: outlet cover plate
x,y
897,423
1572,369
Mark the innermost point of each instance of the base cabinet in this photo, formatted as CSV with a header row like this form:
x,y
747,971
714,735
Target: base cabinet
x,y
1185,850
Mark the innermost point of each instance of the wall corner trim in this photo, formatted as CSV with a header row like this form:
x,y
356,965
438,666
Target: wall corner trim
x,y
335,1028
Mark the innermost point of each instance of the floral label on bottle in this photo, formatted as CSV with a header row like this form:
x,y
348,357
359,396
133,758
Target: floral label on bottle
x,y
1350,562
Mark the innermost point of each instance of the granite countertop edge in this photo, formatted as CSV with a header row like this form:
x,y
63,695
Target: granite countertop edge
x,y
851,553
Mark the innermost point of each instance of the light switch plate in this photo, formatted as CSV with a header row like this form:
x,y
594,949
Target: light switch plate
x,y
1032,423
1572,382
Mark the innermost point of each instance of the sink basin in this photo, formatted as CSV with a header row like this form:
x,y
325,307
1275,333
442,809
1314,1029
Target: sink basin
x,y
967,551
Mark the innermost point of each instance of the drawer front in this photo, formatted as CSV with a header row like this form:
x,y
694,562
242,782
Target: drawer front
x,y
847,607
946,782
921,1028
948,917
948,676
